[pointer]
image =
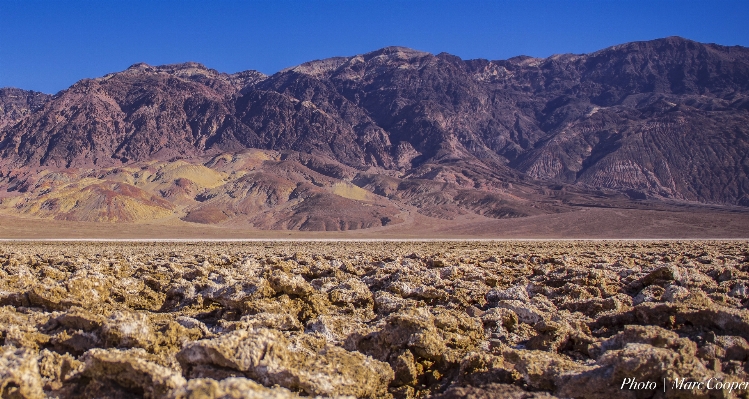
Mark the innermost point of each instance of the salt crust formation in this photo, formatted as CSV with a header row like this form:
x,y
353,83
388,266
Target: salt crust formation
x,y
371,319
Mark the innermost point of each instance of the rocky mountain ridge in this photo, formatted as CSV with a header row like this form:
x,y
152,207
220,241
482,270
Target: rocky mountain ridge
x,y
663,120
15,104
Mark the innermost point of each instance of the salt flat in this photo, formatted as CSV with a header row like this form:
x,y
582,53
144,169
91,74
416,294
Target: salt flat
x,y
445,319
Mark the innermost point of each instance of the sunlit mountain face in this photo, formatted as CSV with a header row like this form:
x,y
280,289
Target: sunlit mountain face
x,y
365,141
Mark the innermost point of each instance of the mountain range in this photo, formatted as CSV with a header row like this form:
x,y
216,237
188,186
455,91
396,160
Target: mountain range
x,y
368,140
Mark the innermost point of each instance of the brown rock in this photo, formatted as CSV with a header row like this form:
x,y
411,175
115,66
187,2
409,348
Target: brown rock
x,y
80,319
83,291
19,373
229,388
662,275
594,306
128,330
496,318
57,369
76,342
337,329
526,312
651,335
130,369
406,372
643,363
276,321
543,370
24,336
480,369
411,329
491,391
736,348
651,293
267,356
291,285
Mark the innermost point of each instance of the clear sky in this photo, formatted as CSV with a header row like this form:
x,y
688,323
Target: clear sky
x,y
49,45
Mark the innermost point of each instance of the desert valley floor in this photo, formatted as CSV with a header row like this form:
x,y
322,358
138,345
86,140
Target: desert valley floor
x,y
374,319
688,221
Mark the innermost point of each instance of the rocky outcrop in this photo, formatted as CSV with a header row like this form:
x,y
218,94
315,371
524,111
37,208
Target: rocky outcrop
x,y
16,104
268,357
19,373
229,388
130,370
142,113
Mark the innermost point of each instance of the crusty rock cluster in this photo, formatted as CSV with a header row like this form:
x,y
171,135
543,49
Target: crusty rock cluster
x,y
372,319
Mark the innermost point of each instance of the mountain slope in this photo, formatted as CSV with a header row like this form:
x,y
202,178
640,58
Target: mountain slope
x,y
15,104
666,119
140,114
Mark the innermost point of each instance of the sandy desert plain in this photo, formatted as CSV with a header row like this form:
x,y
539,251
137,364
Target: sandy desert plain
x,y
375,319
650,221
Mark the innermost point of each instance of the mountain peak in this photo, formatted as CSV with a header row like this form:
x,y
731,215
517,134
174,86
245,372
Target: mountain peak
x,y
185,65
328,65
183,68
138,66
318,67
674,42
397,51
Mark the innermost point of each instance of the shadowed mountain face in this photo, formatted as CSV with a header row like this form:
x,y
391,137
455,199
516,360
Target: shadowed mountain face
x,y
15,104
666,119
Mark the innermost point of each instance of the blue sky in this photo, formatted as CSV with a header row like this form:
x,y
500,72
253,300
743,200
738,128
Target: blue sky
x,y
49,45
